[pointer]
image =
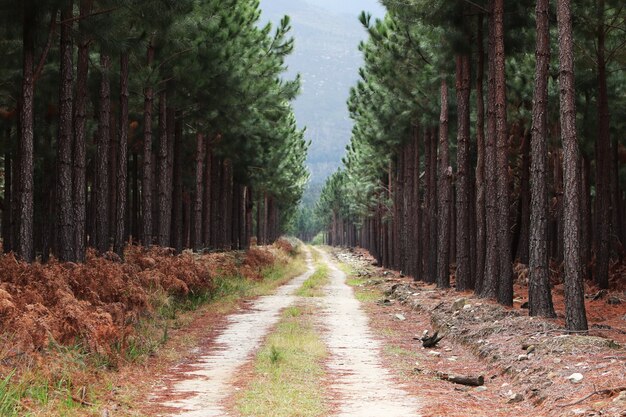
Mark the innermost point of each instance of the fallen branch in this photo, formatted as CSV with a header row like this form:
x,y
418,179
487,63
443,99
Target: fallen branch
x,y
471,381
595,392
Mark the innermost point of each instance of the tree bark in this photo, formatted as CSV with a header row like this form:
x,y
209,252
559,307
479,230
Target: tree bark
x,y
79,185
481,224
7,209
463,268
64,247
101,242
523,245
539,295
196,232
122,160
177,197
445,194
603,160
434,209
505,287
490,281
146,183
25,208
206,206
164,216
575,315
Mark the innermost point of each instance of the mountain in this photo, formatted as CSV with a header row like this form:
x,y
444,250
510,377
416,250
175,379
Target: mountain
x,y
327,34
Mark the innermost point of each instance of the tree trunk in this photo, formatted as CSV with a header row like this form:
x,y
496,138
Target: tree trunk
x,y
434,218
25,249
206,206
489,288
122,159
196,232
480,163
539,295
146,183
416,205
79,185
445,194
463,268
112,176
522,249
164,216
65,249
101,242
603,170
177,180
7,209
505,287
575,316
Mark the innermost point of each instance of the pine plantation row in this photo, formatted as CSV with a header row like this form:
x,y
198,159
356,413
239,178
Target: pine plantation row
x,y
162,121
488,132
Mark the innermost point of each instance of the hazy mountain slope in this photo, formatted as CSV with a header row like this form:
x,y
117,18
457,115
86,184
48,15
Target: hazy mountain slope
x,y
327,56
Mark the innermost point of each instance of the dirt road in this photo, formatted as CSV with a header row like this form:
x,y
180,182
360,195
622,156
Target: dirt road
x,y
361,386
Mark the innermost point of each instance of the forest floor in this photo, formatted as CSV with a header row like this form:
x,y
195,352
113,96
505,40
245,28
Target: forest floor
x,y
324,334
528,364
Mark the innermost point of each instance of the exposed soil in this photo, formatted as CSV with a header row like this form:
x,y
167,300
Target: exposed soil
x,y
355,368
526,361
199,387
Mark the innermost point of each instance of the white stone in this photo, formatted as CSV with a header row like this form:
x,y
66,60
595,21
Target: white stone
x,y
575,378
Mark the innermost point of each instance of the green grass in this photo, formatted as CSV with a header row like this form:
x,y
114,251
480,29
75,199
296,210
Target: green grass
x,y
289,373
356,281
398,351
314,285
363,292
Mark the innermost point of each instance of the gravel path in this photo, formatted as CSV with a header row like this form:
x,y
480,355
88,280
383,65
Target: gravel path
x,y
364,386
200,388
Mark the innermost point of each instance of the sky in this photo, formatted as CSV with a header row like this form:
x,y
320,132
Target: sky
x,y
353,7
327,34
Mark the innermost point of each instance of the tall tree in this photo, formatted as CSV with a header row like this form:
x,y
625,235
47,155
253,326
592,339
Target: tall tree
x,y
445,194
505,287
463,199
65,245
539,295
575,315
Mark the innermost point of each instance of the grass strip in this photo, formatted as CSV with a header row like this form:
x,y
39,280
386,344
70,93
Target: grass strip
x,y
314,285
289,372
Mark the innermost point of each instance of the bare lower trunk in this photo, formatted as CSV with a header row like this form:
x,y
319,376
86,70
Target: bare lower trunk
x,y
196,232
463,268
539,295
101,242
489,288
25,207
64,247
445,194
505,287
164,216
575,315
603,161
122,159
146,183
177,195
480,163
79,186
7,209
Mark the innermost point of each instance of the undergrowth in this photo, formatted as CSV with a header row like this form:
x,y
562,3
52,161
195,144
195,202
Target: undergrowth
x,y
69,379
